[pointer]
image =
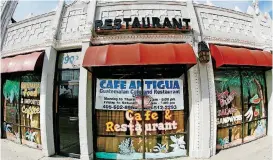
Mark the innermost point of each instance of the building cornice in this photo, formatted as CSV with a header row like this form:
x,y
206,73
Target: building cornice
x,y
32,19
114,3
223,10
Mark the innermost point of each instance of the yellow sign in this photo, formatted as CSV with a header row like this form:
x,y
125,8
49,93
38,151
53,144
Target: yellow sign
x,y
30,110
130,116
30,89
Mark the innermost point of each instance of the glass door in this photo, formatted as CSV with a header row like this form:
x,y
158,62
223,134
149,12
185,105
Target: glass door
x,y
67,92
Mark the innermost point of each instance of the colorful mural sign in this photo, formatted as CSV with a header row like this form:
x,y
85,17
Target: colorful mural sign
x,y
116,94
11,92
130,116
30,114
233,110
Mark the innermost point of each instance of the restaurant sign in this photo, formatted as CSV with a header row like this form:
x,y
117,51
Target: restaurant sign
x,y
147,24
159,95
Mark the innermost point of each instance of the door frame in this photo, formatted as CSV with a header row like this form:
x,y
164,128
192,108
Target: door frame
x,y
56,102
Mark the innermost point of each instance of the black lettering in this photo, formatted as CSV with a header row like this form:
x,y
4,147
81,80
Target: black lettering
x,y
136,23
127,20
148,22
167,23
177,24
156,22
117,23
98,24
187,22
108,24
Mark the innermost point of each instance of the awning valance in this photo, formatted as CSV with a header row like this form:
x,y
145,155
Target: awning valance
x,y
139,54
225,55
20,63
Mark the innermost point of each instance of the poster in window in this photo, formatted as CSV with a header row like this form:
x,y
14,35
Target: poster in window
x,y
120,128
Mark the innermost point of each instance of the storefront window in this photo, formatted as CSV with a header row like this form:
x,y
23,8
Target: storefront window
x,y
126,129
11,92
22,110
254,105
240,106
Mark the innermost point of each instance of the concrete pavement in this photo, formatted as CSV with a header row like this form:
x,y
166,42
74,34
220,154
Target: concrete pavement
x,y
260,149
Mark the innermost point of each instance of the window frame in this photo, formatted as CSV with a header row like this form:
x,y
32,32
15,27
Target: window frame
x,y
242,124
144,72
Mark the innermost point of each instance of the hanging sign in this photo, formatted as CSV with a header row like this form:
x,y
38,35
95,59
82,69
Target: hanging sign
x,y
117,94
69,60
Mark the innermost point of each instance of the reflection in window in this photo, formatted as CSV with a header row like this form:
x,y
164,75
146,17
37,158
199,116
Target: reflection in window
x,y
69,75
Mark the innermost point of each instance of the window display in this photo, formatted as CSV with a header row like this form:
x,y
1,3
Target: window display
x,y
11,92
241,112
126,129
22,110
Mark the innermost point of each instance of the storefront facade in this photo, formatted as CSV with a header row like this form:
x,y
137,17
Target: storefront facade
x,y
134,80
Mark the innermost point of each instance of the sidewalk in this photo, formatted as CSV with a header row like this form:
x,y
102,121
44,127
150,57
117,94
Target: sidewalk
x,y
257,150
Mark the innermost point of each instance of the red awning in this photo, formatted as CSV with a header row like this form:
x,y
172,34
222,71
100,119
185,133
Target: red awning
x,y
27,62
225,55
139,54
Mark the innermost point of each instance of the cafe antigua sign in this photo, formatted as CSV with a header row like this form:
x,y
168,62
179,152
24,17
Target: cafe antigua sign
x,y
146,25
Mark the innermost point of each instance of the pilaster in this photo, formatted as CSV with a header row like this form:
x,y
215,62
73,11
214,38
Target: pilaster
x,y
268,78
202,96
47,87
85,110
46,101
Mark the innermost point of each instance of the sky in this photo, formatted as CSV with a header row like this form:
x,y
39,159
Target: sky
x,y
36,7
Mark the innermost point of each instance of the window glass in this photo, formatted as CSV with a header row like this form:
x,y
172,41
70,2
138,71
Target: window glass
x,y
229,136
30,110
237,124
254,95
228,95
22,109
11,92
254,130
229,108
254,105
66,75
69,75
122,122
